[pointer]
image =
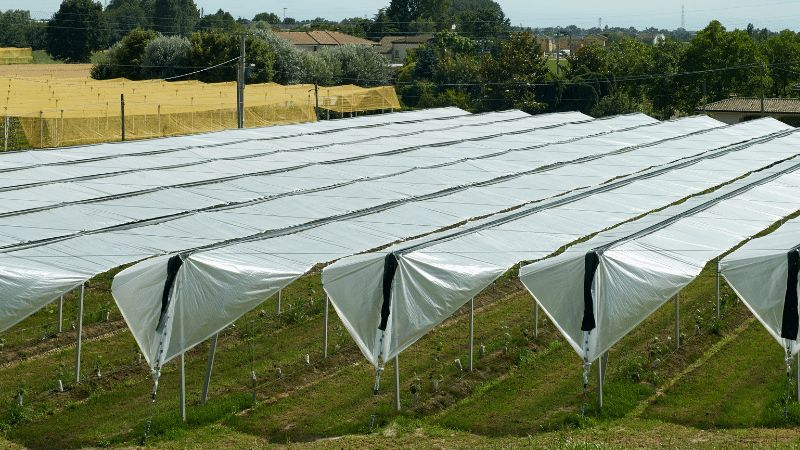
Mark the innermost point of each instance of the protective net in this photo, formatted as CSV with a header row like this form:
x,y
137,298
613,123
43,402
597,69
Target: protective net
x,y
54,112
12,55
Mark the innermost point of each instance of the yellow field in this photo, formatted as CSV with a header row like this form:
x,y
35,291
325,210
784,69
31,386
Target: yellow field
x,y
59,111
55,71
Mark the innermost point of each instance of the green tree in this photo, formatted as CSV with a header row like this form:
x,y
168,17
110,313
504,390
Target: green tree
x,y
76,30
267,17
15,25
166,56
724,62
221,20
664,91
484,23
511,76
125,15
175,16
209,48
124,59
782,52
356,64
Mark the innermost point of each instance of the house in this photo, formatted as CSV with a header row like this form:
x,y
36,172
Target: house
x,y
740,109
570,44
315,40
395,48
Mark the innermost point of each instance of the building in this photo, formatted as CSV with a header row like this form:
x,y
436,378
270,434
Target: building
x,y
545,44
315,40
570,44
395,48
741,109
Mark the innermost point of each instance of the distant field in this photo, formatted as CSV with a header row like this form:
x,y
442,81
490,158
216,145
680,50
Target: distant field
x,y
54,70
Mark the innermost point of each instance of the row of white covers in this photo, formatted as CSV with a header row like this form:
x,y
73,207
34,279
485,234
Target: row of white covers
x,y
631,271
194,173
435,276
35,274
214,287
12,161
763,273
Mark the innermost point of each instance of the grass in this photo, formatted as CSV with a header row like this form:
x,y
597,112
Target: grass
x,y
525,390
42,57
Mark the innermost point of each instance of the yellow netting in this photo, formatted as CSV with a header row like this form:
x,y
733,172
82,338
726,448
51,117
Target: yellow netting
x,y
58,112
11,55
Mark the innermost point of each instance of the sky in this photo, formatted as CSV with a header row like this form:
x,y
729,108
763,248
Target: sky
x,y
773,14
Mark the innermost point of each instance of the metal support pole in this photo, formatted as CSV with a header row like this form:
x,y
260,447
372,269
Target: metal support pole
x,y
183,388
797,377
80,336
212,349
61,314
325,329
535,318
397,382
678,320
122,115
602,365
718,288
279,301
240,86
471,329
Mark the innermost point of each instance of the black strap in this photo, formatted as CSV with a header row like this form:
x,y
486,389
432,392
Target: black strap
x,y
173,265
591,262
389,269
791,321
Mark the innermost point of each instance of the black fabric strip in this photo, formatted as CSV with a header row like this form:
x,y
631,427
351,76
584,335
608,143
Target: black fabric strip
x,y
791,321
591,262
173,265
389,269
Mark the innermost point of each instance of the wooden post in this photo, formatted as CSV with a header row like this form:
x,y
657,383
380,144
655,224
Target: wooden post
x,y
122,115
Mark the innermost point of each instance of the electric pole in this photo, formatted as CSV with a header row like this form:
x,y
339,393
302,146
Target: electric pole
x,y
240,81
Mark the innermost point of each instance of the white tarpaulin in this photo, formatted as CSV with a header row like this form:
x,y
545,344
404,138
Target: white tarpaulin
x,y
760,272
216,285
597,291
432,278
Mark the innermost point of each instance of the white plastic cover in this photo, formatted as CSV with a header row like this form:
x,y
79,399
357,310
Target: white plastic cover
x,y
637,273
758,273
410,204
435,280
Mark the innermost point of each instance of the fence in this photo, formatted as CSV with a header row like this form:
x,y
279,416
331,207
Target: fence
x,y
47,112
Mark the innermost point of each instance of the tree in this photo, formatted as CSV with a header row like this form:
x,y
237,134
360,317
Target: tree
x,y
221,20
166,56
125,15
405,12
511,76
14,28
484,23
209,48
124,59
722,63
781,51
356,64
175,16
664,91
76,30
271,18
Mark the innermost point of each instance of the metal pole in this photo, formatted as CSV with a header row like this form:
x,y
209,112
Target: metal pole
x,y
61,314
240,85
316,101
397,382
80,336
183,389
122,115
600,383
471,328
797,376
717,287
678,320
535,318
212,349
325,329
279,301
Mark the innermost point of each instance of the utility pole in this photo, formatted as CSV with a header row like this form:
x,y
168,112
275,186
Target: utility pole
x,y
763,84
316,100
240,81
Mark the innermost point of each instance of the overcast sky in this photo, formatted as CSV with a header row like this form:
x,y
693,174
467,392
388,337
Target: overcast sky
x,y
774,14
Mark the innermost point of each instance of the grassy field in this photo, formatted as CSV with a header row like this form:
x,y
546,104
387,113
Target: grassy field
x,y
723,387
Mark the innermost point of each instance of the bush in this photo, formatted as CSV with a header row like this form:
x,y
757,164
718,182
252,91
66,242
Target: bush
x,y
124,59
356,64
165,56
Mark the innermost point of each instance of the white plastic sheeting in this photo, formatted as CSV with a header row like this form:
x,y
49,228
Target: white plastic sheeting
x,y
440,273
216,287
759,274
644,263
